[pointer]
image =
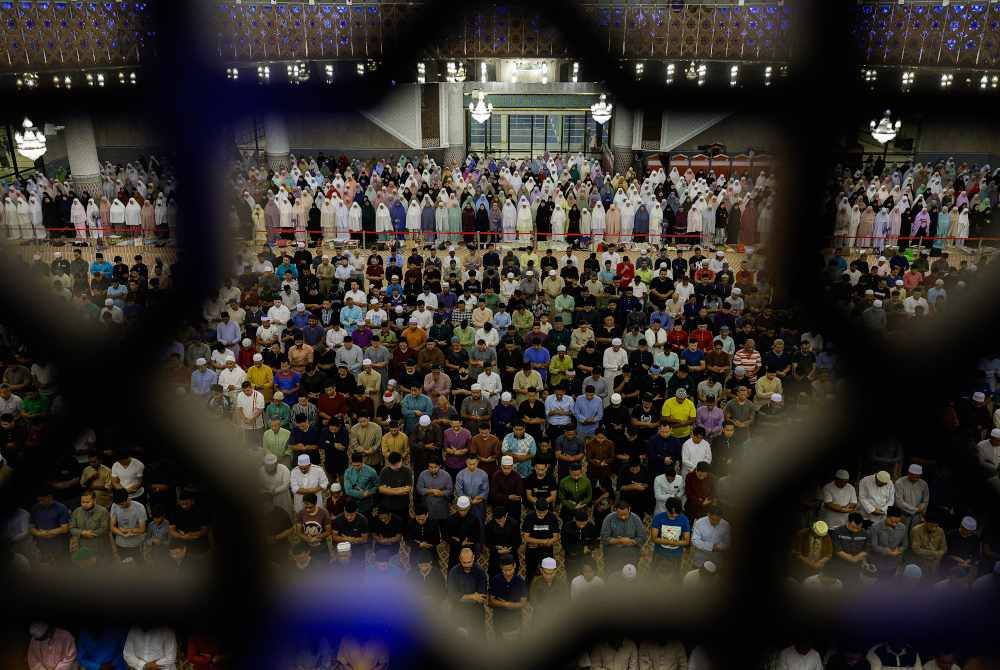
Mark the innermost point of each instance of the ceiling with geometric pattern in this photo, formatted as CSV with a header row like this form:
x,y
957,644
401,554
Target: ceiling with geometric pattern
x,y
47,35
933,34
757,31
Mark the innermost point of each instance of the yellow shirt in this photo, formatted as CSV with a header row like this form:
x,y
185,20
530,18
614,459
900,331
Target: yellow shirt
x,y
398,443
261,377
558,368
676,412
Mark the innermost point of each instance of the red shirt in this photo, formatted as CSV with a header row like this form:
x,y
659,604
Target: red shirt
x,y
332,405
677,339
627,272
703,338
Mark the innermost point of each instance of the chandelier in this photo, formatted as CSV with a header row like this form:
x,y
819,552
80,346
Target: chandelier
x,y
601,110
481,111
885,131
692,71
30,143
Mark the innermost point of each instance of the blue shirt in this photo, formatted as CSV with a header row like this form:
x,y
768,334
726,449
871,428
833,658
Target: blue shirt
x,y
553,403
299,319
526,445
539,356
95,648
104,268
202,380
666,321
411,405
227,332
472,484
356,482
350,316
673,528
283,268
588,409
693,358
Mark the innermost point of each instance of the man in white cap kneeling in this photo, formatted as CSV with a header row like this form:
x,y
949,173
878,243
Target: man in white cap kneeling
x,y
912,495
549,592
988,452
875,494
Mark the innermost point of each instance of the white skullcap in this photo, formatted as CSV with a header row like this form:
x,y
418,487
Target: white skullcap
x,y
37,257
877,303
270,459
775,397
995,433
842,474
200,361
912,571
968,523
373,301
882,259
616,342
424,420
561,347
549,563
899,282
507,460
510,275
301,308
367,361
979,396
463,502
529,273
505,396
552,273
476,387
737,290
616,398
246,342
303,459
343,547
451,248
720,254
915,469
883,476
335,487
709,567
629,572
265,318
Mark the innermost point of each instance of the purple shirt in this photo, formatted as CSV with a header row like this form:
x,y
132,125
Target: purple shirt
x,y
711,419
362,337
453,440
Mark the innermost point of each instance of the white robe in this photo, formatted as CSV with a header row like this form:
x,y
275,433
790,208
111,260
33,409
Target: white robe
x,y
342,223
509,221
525,222
413,217
354,218
37,217
597,222
558,223
117,216
78,217
133,213
383,221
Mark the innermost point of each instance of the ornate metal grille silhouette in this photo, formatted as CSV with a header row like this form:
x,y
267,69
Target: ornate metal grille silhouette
x,y
183,92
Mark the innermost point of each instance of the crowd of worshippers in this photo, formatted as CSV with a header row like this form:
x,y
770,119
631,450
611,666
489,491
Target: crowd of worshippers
x,y
136,200
935,206
112,290
570,199
139,647
602,412
888,293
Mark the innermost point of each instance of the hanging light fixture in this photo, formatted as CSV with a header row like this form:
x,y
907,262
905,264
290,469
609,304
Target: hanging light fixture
x,y
884,131
601,110
481,111
31,142
692,71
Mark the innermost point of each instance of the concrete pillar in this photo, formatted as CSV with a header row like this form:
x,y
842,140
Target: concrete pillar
x,y
456,115
276,135
622,137
81,150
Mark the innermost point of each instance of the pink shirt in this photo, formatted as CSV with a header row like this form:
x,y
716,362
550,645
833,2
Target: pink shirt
x,y
58,652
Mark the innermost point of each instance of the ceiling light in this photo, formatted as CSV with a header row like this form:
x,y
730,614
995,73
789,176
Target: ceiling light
x,y
480,111
31,142
885,130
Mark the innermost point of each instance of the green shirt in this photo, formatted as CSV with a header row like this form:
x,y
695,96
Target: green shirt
x,y
278,410
96,520
523,320
573,492
277,444
466,336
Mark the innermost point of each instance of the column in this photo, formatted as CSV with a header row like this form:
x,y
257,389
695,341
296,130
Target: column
x,y
81,149
456,150
622,136
276,136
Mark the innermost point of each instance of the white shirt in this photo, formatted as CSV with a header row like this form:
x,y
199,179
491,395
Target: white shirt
x,y
309,480
376,317
614,360
358,297
492,385
655,339
248,404
234,377
790,659
156,644
268,334
910,305
871,496
335,337
685,291
425,319
989,456
129,475
279,315
580,586
704,536
430,300
692,454
663,490
838,496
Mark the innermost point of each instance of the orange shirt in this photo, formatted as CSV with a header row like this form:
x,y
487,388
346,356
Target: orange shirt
x,y
415,336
